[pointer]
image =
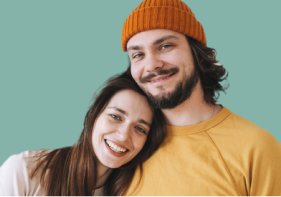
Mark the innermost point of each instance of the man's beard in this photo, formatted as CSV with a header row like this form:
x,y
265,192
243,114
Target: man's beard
x,y
181,93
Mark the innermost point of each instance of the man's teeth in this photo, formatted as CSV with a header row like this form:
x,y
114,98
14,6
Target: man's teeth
x,y
159,79
115,148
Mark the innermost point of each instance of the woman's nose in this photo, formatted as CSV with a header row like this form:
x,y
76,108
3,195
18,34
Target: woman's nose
x,y
123,133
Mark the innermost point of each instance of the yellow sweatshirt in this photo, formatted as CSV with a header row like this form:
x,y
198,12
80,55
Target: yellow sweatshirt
x,y
225,155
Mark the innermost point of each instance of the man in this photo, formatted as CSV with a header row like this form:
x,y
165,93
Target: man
x,y
208,149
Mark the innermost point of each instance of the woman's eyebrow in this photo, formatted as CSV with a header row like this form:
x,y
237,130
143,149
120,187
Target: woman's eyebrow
x,y
126,114
144,122
120,110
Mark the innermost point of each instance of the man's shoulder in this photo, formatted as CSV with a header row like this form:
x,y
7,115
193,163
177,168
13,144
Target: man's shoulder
x,y
241,126
249,152
238,132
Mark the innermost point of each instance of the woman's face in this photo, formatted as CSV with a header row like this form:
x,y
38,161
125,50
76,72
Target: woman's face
x,y
122,128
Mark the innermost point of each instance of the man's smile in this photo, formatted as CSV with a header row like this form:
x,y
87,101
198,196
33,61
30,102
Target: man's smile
x,y
159,76
160,79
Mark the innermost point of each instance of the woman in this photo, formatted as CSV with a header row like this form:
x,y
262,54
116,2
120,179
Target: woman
x,y
121,131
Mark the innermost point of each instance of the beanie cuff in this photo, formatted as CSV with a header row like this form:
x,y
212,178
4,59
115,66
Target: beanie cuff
x,y
164,17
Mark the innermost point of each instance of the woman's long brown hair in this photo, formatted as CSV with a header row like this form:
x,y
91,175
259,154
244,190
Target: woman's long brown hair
x,y
73,170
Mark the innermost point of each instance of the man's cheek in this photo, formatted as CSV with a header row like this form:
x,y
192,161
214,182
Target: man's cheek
x,y
136,74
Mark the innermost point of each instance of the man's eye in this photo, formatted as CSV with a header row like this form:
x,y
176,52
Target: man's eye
x,y
137,55
141,130
115,116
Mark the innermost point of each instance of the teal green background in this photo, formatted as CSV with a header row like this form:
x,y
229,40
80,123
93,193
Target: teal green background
x,y
55,54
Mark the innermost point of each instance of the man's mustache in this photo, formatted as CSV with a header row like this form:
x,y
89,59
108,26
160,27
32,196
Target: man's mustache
x,y
158,73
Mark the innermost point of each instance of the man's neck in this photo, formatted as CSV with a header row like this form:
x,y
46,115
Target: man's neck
x,y
192,111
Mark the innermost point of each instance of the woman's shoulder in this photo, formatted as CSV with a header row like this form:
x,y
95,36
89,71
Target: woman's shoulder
x,y
18,162
15,174
15,164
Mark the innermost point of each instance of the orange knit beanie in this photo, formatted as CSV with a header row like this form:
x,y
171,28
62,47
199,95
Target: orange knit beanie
x,y
162,14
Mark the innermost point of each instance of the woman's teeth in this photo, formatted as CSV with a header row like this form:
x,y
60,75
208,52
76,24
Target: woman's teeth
x,y
114,147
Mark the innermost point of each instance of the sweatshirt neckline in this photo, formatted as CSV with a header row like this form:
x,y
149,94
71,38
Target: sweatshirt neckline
x,y
197,128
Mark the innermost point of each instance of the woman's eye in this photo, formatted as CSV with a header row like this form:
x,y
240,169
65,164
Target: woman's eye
x,y
115,117
165,46
141,130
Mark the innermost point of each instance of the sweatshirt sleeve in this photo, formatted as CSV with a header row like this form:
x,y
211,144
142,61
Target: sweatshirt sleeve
x,y
252,156
264,171
13,176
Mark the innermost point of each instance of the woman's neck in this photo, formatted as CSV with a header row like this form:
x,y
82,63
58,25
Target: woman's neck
x,y
103,173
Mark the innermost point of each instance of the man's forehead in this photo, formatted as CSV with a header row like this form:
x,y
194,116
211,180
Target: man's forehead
x,y
152,37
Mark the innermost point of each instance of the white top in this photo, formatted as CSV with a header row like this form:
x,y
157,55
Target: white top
x,y
14,176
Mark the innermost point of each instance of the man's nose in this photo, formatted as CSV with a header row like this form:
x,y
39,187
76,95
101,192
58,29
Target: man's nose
x,y
123,133
153,63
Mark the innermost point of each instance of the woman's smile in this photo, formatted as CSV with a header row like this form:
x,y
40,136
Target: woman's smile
x,y
115,147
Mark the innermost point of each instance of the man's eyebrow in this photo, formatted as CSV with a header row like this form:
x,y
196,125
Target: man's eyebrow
x,y
163,39
120,110
136,47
